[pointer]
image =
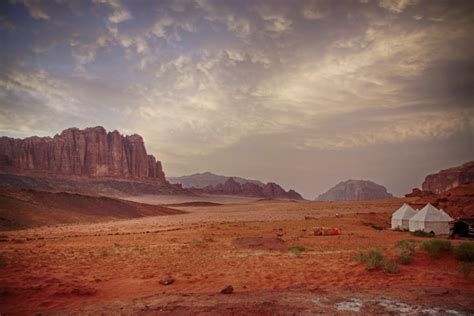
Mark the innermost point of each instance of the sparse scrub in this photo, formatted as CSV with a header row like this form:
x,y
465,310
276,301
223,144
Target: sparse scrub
x,y
464,251
407,246
376,227
373,259
391,267
420,233
196,242
404,258
435,247
104,252
296,250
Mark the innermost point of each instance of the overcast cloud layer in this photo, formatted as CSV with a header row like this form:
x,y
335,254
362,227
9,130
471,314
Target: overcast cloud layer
x,y
304,93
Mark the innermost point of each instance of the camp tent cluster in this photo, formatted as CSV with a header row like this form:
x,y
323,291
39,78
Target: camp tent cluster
x,y
428,219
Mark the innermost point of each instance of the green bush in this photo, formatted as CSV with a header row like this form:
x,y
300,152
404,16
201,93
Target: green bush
x,y
404,258
407,246
391,267
435,247
296,250
196,242
464,251
373,259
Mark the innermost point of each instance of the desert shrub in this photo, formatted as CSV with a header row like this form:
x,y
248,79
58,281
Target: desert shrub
x,y
296,250
435,247
404,258
466,269
104,252
464,251
376,227
373,259
391,266
407,246
196,242
420,233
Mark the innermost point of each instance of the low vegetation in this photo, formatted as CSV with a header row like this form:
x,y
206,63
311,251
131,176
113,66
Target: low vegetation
x,y
296,250
436,247
404,258
464,251
375,260
196,242
420,233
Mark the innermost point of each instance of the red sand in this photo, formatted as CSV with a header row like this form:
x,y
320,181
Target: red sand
x,y
116,267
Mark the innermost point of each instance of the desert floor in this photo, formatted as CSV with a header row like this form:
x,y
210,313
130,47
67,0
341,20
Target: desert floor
x,y
115,267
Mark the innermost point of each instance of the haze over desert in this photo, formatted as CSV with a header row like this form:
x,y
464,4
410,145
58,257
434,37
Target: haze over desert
x,y
208,157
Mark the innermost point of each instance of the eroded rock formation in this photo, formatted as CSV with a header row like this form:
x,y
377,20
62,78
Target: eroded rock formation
x,y
91,152
450,178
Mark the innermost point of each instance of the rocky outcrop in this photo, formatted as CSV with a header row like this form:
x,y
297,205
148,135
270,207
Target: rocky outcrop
x,y
457,202
450,178
355,190
232,187
92,152
205,179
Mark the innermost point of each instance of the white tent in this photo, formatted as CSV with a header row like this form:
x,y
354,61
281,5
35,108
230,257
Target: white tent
x,y
430,219
401,216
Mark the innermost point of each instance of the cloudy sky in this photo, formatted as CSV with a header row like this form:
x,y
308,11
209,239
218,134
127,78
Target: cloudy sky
x,y
304,93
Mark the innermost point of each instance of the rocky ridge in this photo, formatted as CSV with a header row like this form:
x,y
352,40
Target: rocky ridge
x,y
449,178
270,190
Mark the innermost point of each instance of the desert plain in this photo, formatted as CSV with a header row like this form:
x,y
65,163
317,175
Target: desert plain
x,y
115,267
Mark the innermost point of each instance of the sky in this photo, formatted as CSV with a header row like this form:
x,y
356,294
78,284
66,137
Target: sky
x,y
302,93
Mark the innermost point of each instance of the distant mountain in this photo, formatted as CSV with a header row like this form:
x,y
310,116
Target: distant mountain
x,y
355,190
449,178
202,180
210,183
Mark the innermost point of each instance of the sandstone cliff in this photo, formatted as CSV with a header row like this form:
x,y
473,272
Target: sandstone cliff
x,y
355,190
450,178
457,201
92,152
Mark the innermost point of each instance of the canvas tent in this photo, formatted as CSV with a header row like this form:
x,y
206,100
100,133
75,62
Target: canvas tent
x,y
401,217
430,219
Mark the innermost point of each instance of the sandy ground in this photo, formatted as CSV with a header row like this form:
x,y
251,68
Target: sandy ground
x,y
115,267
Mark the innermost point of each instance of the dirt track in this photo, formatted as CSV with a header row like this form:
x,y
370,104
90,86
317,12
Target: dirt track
x,y
116,267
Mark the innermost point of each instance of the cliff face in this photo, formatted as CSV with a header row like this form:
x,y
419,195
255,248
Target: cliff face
x,y
450,178
355,190
457,201
91,152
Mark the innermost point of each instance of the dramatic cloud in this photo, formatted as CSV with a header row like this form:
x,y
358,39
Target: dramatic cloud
x,y
305,93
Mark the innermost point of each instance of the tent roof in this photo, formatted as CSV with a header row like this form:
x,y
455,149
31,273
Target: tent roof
x,y
404,212
429,213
